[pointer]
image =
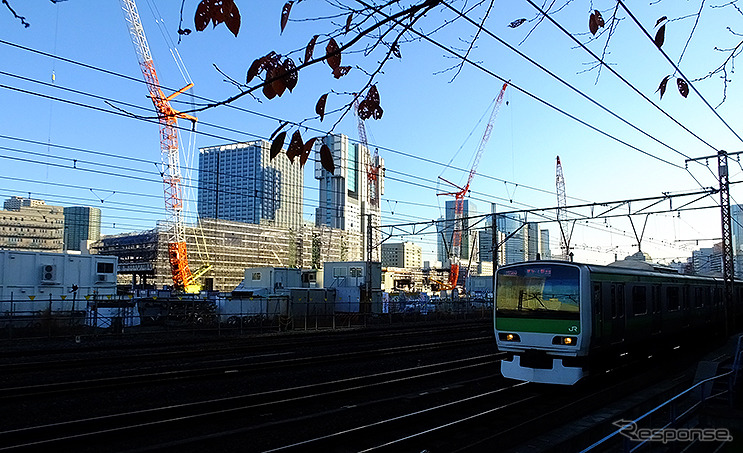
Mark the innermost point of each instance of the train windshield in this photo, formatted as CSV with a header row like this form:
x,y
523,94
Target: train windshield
x,y
549,291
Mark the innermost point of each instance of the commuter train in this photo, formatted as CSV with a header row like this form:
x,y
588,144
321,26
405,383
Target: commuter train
x,y
557,320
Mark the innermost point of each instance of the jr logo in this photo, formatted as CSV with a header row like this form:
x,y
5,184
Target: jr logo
x,y
573,329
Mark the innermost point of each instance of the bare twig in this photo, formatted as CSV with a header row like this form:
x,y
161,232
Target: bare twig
x,y
21,18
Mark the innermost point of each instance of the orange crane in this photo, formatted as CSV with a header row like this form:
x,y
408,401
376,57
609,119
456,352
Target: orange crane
x,y
456,241
183,278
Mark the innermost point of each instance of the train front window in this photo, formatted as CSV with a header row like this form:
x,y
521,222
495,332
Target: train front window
x,y
538,291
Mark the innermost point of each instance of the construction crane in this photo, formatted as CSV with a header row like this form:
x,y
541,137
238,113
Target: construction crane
x,y
374,185
183,278
561,204
372,172
456,241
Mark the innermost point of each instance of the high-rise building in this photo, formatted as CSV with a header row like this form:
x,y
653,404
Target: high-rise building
x,y
81,223
240,182
447,228
708,261
402,254
544,244
345,201
28,224
516,246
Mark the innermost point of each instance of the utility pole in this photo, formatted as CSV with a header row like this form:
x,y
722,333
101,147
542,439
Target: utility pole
x,y
727,233
369,238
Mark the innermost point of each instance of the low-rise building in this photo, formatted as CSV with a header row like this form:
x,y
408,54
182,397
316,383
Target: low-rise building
x,y
402,254
28,224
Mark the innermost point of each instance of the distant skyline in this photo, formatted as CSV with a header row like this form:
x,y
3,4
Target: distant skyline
x,y
69,148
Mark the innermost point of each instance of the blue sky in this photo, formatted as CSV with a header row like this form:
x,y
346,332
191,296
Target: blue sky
x,y
427,115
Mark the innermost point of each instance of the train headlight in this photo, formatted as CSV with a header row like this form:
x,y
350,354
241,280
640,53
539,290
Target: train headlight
x,y
508,336
567,341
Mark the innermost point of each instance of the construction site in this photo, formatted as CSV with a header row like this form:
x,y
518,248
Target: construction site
x,y
229,248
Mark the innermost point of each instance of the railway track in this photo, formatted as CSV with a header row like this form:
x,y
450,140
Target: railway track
x,y
254,412
440,391
247,364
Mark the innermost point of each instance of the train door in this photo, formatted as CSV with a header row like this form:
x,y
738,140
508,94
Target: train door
x,y
598,315
614,314
655,311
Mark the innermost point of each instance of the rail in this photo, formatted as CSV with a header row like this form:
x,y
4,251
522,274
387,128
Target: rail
x,y
673,403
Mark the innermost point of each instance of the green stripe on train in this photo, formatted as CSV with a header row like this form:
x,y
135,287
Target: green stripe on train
x,y
560,326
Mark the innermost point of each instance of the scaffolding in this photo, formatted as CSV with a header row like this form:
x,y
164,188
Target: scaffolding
x,y
233,247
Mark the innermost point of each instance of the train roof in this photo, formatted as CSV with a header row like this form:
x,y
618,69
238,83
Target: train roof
x,y
621,268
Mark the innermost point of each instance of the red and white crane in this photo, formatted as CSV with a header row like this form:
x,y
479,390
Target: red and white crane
x,y
456,241
183,278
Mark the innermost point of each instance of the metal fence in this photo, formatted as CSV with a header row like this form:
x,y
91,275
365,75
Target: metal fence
x,y
119,315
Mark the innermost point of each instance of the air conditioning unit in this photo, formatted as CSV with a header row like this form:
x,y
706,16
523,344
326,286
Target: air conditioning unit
x,y
48,273
104,277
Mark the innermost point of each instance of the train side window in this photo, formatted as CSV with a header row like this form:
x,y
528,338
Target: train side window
x,y
656,298
620,300
685,299
717,298
639,300
597,299
672,298
613,300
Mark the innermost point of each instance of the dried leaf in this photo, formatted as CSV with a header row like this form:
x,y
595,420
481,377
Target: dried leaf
x,y
396,50
660,20
369,107
516,23
333,54
662,86
683,87
231,16
340,71
595,21
216,12
660,36
599,19
276,75
295,146
285,14
348,23
290,74
269,91
306,151
326,158
203,15
255,68
277,144
320,106
310,49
